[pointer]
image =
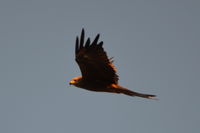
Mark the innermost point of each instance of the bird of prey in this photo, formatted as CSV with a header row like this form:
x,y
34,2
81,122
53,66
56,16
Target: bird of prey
x,y
98,71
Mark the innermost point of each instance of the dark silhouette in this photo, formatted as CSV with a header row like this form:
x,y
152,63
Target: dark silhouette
x,y
98,72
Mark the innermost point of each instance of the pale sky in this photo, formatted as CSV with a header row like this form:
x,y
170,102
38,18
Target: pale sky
x,y
155,45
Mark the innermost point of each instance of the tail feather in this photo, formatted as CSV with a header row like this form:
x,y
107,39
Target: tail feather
x,y
132,93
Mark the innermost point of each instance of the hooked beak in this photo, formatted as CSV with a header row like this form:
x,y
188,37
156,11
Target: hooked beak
x,y
71,82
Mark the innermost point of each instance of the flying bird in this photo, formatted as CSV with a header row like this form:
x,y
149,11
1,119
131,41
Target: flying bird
x,y
98,71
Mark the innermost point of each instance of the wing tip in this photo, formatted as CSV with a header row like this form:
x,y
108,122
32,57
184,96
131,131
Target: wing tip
x,y
101,43
82,38
82,30
87,44
80,41
96,39
77,44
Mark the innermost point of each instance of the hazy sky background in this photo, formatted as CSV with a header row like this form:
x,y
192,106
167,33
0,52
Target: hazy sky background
x,y
156,47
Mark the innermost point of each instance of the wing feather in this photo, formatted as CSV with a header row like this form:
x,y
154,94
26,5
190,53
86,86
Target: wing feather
x,y
82,38
87,44
101,43
95,40
77,48
93,61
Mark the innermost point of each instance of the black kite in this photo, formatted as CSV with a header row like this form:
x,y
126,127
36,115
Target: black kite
x,y
98,72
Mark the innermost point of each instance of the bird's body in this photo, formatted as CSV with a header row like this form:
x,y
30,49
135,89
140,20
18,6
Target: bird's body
x,y
98,72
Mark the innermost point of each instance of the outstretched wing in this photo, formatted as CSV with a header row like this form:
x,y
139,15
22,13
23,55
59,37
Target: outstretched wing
x,y
93,61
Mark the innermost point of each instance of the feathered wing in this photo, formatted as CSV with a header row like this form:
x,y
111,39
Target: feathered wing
x,y
93,61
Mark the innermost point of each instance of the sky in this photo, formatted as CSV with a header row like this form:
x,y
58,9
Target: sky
x,y
155,45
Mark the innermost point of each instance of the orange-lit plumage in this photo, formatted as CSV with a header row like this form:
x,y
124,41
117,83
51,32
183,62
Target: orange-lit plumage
x,y
98,72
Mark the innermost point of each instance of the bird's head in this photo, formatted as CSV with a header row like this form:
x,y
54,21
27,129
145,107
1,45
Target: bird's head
x,y
75,81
